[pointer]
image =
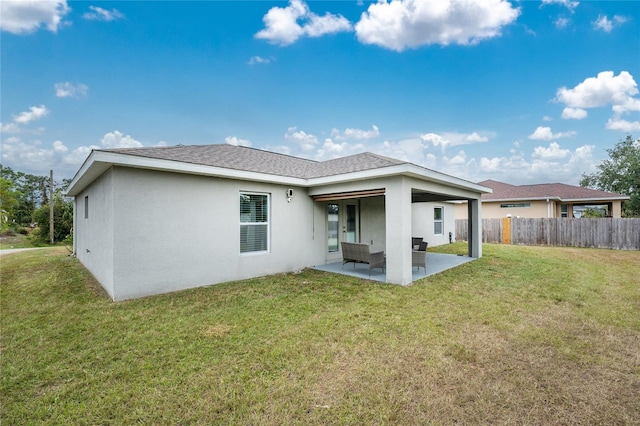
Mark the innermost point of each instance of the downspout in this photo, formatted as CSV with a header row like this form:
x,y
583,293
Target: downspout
x,y
75,225
548,208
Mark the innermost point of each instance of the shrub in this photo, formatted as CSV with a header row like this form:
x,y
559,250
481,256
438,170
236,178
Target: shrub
x,y
62,220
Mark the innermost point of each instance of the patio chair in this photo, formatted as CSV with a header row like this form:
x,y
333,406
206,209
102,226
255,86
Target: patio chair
x,y
418,244
419,253
419,259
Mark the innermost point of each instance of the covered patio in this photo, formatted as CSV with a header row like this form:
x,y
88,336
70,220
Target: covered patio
x,y
383,219
436,263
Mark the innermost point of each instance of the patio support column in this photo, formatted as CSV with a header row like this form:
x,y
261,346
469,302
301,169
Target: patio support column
x,y
475,228
398,231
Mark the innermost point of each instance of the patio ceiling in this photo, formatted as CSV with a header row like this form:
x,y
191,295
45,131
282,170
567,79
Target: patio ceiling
x,y
349,195
420,196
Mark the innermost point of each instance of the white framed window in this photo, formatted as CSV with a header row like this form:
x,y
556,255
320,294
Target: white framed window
x,y
438,220
86,207
254,222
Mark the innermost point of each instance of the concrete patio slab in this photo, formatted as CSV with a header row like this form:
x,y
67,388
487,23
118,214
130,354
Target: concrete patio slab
x,y
436,263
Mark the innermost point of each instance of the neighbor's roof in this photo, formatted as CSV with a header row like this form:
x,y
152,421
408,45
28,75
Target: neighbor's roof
x,y
559,191
237,162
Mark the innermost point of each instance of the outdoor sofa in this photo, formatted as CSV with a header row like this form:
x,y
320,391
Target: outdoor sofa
x,y
361,253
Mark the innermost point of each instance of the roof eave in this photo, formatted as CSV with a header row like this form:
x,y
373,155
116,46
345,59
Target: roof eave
x,y
100,161
502,200
589,199
555,198
406,169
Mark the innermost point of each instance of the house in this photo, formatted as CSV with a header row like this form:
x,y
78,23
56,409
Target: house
x,y
156,220
547,200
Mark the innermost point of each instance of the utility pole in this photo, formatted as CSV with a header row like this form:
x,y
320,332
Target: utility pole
x,y
51,206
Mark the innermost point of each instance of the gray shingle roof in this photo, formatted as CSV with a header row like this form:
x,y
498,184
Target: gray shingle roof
x,y
505,191
256,160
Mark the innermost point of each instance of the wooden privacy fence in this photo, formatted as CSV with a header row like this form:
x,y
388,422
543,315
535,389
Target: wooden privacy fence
x,y
611,233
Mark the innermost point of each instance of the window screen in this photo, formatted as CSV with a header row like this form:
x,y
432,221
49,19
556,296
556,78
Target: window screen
x,y
254,222
437,221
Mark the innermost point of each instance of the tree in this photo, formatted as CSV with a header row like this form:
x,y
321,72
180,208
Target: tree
x,y
62,219
8,203
620,173
31,192
590,212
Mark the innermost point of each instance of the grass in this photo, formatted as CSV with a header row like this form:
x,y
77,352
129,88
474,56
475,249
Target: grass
x,y
525,335
15,241
18,241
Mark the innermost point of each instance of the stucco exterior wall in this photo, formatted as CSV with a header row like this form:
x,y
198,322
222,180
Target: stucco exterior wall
x,y
616,209
152,232
178,231
422,218
492,210
372,223
537,209
94,245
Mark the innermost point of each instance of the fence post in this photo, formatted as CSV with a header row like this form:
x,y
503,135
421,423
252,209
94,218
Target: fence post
x,y
506,230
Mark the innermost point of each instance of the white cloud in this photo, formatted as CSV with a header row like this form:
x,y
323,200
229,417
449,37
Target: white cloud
x,y
36,157
70,90
285,25
34,113
521,164
58,146
305,141
27,16
544,164
448,139
117,139
475,137
459,159
327,24
100,14
330,149
547,118
553,152
574,113
357,134
539,164
606,89
623,125
235,141
562,22
607,25
407,24
258,60
9,128
571,5
545,133
435,140
599,91
603,23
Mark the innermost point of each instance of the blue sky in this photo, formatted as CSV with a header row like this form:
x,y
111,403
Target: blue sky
x,y
517,91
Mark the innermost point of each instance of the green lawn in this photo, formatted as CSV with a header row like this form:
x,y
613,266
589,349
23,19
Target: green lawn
x,y
525,335
15,241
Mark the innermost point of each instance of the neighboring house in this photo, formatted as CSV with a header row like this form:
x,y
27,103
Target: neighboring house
x,y
547,200
155,220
